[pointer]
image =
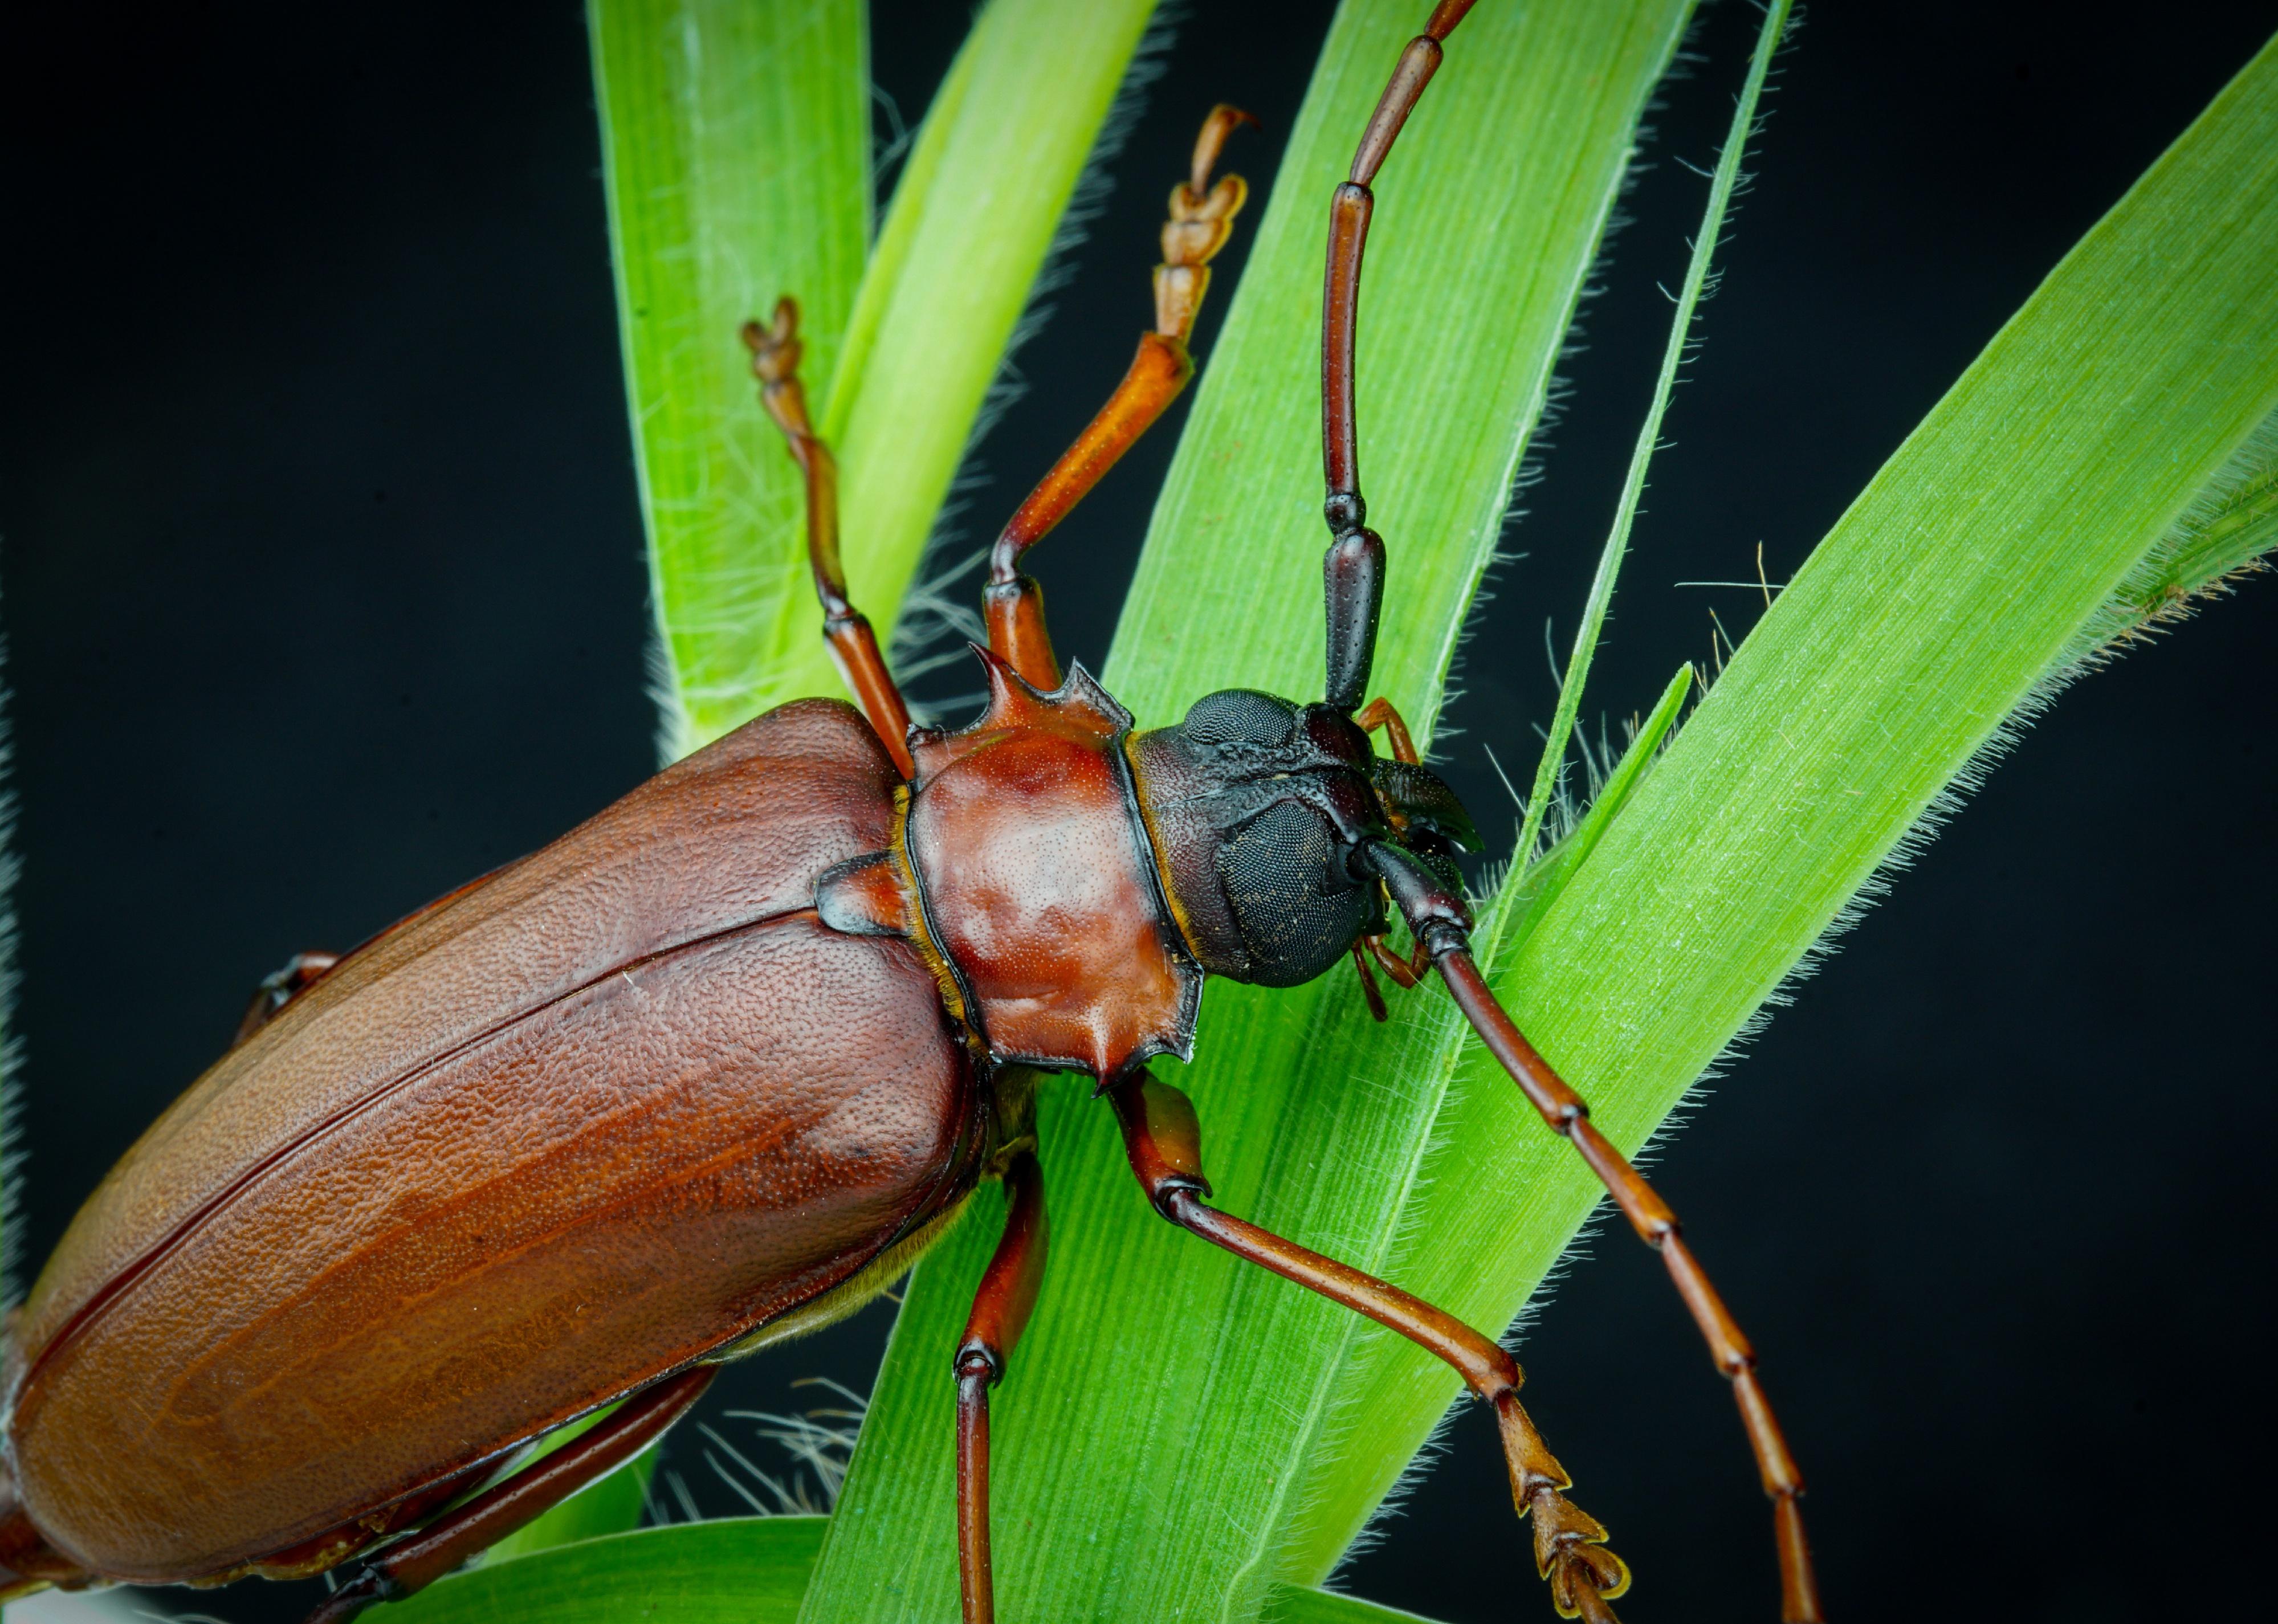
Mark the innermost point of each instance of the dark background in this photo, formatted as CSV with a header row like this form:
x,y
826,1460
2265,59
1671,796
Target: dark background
x,y
324,592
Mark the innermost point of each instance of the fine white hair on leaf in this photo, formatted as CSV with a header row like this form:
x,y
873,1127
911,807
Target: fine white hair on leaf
x,y
676,734
820,1443
2223,532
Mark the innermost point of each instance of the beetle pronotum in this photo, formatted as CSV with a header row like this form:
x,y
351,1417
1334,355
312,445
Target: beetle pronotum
x,y
1045,888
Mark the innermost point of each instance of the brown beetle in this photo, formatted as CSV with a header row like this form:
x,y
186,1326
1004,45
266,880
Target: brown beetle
x,y
712,1068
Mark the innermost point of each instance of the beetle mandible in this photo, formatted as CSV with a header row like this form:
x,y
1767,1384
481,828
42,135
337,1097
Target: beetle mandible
x,y
318,1306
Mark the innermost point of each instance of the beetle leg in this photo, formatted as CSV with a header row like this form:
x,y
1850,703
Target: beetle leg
x,y
853,645
1164,1142
1381,712
1442,928
1000,1310
276,991
1368,980
1202,219
1404,975
418,1562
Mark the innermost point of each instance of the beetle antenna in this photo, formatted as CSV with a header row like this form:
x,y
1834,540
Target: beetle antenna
x,y
1353,572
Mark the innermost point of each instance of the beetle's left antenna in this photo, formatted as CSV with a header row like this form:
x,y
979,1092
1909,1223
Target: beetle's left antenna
x,y
1354,569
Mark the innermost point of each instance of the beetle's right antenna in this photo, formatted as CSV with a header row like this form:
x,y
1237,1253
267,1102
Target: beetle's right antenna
x,y
1442,924
1354,568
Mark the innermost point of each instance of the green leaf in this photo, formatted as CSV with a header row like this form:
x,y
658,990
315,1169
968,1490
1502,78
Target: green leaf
x,y
1532,892
740,1570
735,158
2223,533
1135,1419
1553,769
744,1570
2124,395
1293,1603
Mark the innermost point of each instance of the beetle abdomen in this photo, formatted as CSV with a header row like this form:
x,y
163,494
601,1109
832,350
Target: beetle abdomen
x,y
500,1231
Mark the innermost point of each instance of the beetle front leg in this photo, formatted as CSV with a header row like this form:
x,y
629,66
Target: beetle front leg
x,y
853,646
504,1508
1164,1142
1001,1306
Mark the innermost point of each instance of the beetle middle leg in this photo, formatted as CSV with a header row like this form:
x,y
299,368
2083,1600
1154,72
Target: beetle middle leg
x,y
853,646
1000,1311
504,1508
1202,219
1164,1142
1380,713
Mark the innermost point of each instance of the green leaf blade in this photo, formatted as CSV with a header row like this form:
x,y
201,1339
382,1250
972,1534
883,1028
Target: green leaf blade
x,y
740,1570
1916,632
1553,765
1292,1604
736,159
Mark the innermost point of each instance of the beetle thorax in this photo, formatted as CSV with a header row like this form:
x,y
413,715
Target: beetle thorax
x,y
1038,886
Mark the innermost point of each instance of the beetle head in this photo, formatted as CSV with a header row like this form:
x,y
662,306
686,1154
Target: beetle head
x,y
1259,808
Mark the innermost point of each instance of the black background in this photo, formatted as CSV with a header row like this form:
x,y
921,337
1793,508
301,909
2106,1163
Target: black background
x,y
324,592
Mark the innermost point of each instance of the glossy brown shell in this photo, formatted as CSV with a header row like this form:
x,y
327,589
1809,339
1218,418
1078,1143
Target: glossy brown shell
x,y
1038,882
597,1116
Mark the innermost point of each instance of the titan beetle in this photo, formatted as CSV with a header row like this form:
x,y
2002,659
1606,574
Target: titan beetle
x,y
712,1069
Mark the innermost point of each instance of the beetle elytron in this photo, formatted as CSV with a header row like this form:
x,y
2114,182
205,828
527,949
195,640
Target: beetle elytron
x,y
713,1068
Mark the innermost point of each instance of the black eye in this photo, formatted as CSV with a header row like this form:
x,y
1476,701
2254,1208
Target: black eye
x,y
1240,716
1297,909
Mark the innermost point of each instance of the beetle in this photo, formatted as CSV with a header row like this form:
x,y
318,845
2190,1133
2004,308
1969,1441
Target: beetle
x,y
711,1070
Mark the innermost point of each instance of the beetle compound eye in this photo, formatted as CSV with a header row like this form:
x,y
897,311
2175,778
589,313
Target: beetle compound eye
x,y
1298,910
1240,716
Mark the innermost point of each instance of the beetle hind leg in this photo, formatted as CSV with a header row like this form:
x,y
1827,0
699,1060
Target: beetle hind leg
x,y
1164,1145
503,1508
